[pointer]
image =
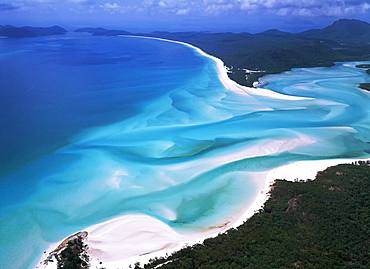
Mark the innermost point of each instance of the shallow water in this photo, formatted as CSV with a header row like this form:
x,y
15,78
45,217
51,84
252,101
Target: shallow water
x,y
100,127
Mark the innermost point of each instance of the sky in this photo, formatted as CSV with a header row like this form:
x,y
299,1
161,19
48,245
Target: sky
x,y
183,15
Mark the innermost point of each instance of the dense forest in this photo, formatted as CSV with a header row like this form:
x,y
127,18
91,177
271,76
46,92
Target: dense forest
x,y
323,223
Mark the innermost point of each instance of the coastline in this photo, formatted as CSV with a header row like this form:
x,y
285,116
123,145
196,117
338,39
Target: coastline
x,y
115,241
104,234
297,220
223,76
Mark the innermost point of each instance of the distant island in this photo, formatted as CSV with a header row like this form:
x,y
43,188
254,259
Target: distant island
x,y
251,56
29,31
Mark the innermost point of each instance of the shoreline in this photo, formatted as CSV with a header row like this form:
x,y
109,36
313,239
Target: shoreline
x,y
223,74
100,231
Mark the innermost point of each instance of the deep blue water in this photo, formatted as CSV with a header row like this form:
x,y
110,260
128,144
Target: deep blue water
x,y
97,127
52,88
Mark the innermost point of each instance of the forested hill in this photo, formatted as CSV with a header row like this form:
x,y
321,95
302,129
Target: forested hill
x,y
323,223
344,31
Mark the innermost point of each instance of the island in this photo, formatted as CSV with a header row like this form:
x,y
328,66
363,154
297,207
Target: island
x,y
28,31
251,56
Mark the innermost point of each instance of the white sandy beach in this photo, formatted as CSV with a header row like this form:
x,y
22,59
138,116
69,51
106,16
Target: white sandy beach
x,y
127,239
224,78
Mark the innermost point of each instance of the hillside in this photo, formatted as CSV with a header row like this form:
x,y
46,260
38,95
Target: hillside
x,y
344,31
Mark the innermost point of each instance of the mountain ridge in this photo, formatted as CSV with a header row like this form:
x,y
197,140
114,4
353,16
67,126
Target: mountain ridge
x,y
344,30
339,31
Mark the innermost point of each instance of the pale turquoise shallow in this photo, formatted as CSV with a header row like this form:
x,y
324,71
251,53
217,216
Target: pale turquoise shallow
x,y
148,127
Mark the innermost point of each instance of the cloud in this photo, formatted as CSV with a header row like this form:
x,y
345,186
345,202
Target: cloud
x,y
306,8
302,8
111,7
183,11
7,7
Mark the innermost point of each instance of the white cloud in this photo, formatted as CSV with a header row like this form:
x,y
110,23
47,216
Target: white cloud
x,y
307,7
112,7
302,8
183,11
162,4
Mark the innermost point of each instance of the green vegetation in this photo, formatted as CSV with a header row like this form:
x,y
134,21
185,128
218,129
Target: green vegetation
x,y
73,256
316,224
365,86
71,253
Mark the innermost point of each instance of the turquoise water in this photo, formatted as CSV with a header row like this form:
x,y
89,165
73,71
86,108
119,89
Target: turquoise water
x,y
99,127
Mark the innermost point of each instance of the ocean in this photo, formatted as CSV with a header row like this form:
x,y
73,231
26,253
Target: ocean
x,y
98,127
